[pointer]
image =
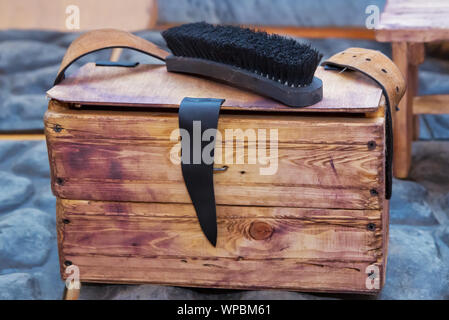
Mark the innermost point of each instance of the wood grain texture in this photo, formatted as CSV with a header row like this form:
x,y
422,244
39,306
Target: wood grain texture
x,y
52,15
22,136
308,249
414,21
125,156
153,86
431,104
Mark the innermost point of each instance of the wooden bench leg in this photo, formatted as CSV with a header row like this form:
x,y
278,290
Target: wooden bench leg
x,y
413,76
407,57
416,127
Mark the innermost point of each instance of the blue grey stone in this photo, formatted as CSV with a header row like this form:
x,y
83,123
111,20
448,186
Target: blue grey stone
x,y
311,13
33,162
48,275
33,82
433,75
438,125
434,79
409,205
10,149
35,35
14,190
20,112
136,292
443,200
21,286
46,201
26,55
279,295
445,236
25,239
28,106
415,268
425,131
430,165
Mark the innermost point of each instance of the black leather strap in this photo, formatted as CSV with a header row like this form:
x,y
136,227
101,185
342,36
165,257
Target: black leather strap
x,y
196,115
388,129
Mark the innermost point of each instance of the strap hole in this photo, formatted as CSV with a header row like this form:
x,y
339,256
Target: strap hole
x,y
397,89
384,71
354,56
368,59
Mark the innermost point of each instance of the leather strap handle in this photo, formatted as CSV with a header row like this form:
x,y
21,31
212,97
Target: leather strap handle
x,y
375,65
105,39
386,74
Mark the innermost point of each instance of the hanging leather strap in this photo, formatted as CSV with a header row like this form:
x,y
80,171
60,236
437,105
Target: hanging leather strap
x,y
92,41
386,74
198,118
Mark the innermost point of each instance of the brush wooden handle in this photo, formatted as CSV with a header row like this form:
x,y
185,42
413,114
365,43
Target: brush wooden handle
x,y
103,39
237,77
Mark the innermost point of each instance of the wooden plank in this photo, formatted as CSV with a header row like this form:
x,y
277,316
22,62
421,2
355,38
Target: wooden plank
x,y
310,196
22,136
286,274
414,21
431,104
305,32
162,243
53,15
158,126
144,236
302,165
125,156
152,85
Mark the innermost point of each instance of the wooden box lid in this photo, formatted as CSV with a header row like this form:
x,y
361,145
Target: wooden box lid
x,y
150,85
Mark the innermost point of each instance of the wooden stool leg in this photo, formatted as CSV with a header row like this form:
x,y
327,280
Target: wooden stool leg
x,y
403,118
413,79
415,127
72,293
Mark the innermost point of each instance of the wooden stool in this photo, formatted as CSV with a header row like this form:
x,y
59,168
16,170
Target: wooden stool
x,y
408,24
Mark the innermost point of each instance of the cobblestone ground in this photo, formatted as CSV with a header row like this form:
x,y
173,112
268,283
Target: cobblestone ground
x,y
418,263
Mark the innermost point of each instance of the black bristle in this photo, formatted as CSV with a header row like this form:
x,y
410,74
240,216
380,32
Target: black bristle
x,y
279,58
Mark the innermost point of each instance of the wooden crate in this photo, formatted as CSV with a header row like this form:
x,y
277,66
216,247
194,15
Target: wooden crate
x,y
124,214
